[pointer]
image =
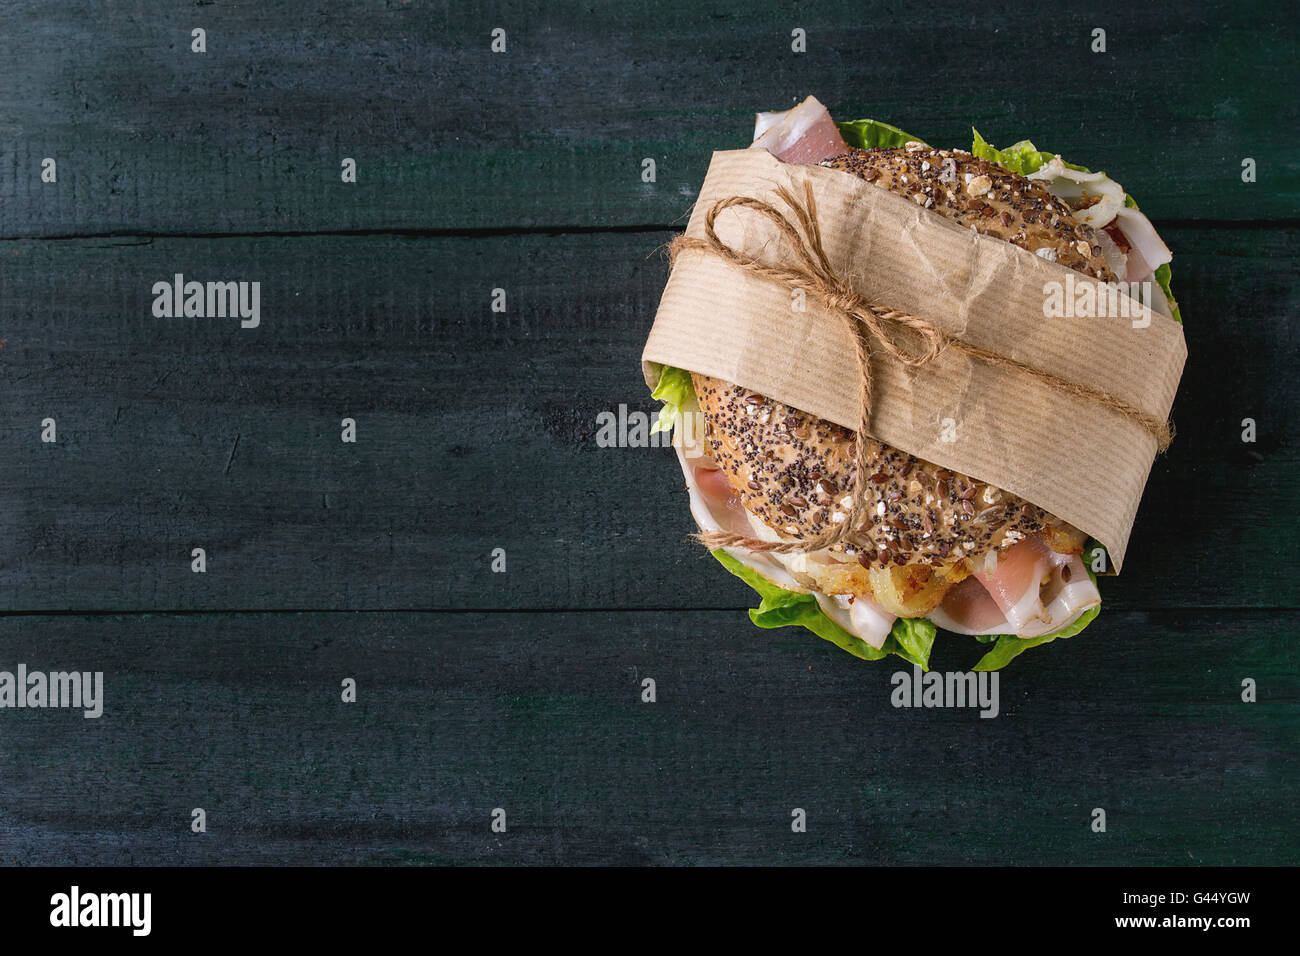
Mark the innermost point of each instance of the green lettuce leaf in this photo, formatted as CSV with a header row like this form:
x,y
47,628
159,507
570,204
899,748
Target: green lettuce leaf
x,y
1022,157
1163,275
869,134
909,639
675,389
782,608
1008,646
915,638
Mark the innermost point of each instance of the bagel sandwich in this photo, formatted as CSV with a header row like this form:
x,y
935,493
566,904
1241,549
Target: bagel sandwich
x,y
935,548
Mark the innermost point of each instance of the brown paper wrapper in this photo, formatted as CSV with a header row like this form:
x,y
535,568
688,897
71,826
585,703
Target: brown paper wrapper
x,y
1082,462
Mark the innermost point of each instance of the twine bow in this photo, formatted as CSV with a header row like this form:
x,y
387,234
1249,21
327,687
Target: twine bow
x,y
905,338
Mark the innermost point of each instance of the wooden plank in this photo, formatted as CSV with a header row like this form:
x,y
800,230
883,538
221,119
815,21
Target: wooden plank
x,y
478,430
541,715
249,136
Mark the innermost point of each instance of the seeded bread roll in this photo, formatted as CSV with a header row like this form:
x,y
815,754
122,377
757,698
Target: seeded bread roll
x,y
794,471
985,197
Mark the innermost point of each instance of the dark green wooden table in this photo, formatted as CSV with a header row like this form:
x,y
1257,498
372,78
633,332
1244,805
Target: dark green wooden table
x,y
476,430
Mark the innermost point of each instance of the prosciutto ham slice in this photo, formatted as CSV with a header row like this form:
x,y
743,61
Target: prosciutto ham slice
x,y
858,615
968,608
1031,591
1149,248
804,134
1012,582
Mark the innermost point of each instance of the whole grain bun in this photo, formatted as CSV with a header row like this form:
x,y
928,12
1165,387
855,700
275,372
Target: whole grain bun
x,y
984,197
794,471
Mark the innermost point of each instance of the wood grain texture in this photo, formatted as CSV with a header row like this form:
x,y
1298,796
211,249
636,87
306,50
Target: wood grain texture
x,y
248,137
478,430
540,714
